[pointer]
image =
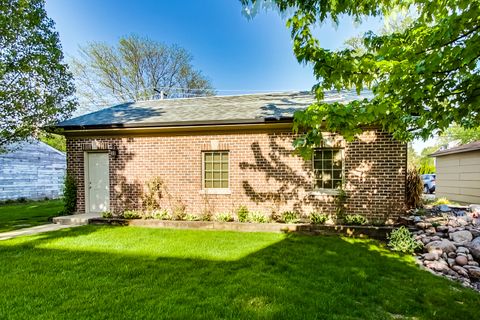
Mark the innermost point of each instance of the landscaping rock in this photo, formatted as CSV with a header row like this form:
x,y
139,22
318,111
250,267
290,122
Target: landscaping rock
x,y
461,271
474,272
474,248
437,265
444,208
431,256
461,260
440,246
463,250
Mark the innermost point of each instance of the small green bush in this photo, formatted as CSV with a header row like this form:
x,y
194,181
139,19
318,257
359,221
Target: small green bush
x,y
161,214
206,215
191,217
318,218
179,212
242,214
257,217
107,214
131,214
290,217
69,195
224,217
402,240
355,219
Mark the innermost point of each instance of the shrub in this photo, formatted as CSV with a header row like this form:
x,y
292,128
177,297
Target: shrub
x,y
355,219
318,218
290,217
191,217
179,212
206,215
441,201
22,200
414,189
151,199
161,214
258,217
340,201
107,214
131,214
69,195
402,240
224,217
242,214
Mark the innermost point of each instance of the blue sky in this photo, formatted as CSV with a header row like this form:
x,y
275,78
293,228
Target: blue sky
x,y
235,53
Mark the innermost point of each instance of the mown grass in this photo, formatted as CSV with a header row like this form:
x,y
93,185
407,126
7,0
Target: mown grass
x,y
139,273
29,214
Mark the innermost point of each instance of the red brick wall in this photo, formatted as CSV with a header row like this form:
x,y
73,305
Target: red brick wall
x,y
264,174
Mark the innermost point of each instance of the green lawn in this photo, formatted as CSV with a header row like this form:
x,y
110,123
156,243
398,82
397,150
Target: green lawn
x,y
29,214
139,273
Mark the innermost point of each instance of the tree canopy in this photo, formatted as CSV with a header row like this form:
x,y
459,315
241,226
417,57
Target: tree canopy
x,y
136,69
36,88
424,77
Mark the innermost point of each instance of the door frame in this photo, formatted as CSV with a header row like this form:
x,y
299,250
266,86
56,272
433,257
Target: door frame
x,y
86,157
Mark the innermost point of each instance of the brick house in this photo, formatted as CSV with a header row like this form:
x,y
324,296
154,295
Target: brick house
x,y
217,153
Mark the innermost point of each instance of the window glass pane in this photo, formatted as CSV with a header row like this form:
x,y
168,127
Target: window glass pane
x,y
217,166
208,166
208,157
327,175
224,176
317,165
337,155
225,166
216,175
217,157
327,154
208,175
225,157
224,184
337,184
327,164
337,174
208,184
217,184
327,184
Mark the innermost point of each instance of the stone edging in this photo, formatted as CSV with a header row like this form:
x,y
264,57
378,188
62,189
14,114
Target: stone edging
x,y
375,232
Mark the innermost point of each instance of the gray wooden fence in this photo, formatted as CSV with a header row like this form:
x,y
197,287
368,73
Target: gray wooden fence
x,y
31,170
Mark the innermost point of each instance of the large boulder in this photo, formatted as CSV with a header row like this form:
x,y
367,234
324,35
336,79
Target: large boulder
x,y
440,246
474,247
461,236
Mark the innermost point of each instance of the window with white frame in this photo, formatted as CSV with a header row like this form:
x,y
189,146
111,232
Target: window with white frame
x,y
328,168
215,170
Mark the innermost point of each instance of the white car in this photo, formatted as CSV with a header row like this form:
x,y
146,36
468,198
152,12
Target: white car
x,y
429,183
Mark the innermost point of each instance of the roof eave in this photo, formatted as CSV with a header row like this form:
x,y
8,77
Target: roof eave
x,y
172,124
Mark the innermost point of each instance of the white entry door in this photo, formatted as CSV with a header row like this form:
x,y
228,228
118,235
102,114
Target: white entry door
x,y
98,182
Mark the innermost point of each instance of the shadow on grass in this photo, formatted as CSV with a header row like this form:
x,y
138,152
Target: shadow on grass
x,y
64,274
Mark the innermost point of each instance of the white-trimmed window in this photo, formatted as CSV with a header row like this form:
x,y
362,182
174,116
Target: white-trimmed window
x,y
215,170
328,168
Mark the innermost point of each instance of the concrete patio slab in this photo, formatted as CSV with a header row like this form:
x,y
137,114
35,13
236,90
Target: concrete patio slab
x,y
32,230
76,219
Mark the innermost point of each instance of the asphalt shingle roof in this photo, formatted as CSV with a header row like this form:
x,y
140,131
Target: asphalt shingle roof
x,y
252,108
473,146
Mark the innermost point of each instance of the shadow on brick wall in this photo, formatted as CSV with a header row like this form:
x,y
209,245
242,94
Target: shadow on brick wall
x,y
288,187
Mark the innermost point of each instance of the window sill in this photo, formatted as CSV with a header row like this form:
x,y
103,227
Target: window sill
x,y
324,192
215,191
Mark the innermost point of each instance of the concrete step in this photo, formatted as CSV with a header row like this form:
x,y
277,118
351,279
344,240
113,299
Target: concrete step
x,y
75,219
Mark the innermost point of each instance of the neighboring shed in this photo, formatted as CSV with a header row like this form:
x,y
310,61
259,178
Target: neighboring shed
x,y
458,173
31,170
